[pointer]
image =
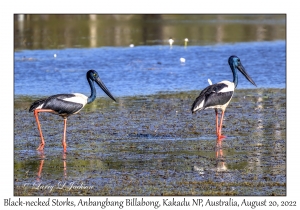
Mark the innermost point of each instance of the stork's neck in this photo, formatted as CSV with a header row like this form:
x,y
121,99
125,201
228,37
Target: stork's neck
x,y
92,97
235,75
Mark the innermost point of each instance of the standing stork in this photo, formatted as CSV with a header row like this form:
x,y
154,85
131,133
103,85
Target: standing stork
x,y
217,96
65,105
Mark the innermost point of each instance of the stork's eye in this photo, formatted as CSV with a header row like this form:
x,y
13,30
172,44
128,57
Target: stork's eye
x,y
95,75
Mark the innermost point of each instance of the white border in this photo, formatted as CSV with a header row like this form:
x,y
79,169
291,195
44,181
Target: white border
x,y
153,6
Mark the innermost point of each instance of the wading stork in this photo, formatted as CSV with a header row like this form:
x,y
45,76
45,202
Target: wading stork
x,y
65,105
217,96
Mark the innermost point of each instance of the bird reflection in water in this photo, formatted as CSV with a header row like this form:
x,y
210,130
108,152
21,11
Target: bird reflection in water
x,y
220,162
220,165
42,159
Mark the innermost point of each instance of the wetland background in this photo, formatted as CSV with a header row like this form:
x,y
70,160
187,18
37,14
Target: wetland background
x,y
149,143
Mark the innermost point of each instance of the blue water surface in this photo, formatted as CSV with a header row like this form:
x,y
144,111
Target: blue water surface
x,y
143,70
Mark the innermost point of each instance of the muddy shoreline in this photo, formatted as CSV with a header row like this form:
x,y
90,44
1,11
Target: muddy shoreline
x,y
153,145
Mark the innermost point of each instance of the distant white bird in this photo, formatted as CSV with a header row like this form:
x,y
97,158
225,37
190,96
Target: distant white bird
x,y
131,45
182,60
171,42
185,42
54,55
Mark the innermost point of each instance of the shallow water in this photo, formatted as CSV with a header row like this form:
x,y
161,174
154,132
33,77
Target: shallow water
x,y
153,145
147,70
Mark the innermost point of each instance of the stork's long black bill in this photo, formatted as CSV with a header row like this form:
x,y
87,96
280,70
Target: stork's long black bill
x,y
104,88
243,71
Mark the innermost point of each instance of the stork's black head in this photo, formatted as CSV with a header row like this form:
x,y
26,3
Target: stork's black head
x,y
234,62
93,76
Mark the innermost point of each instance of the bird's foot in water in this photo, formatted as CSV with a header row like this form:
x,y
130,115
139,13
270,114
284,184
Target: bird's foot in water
x,y
41,147
64,147
221,137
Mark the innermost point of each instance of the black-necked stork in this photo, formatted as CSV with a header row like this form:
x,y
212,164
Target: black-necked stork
x,y
217,96
65,105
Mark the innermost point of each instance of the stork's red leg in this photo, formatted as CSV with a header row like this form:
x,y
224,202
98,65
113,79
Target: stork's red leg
x,y
36,114
64,144
217,122
220,136
42,144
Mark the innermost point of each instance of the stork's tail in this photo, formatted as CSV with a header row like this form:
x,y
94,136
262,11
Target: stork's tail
x,y
36,104
198,104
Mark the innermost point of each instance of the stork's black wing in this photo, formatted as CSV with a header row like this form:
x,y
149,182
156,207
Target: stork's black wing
x,y
61,106
211,96
58,104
